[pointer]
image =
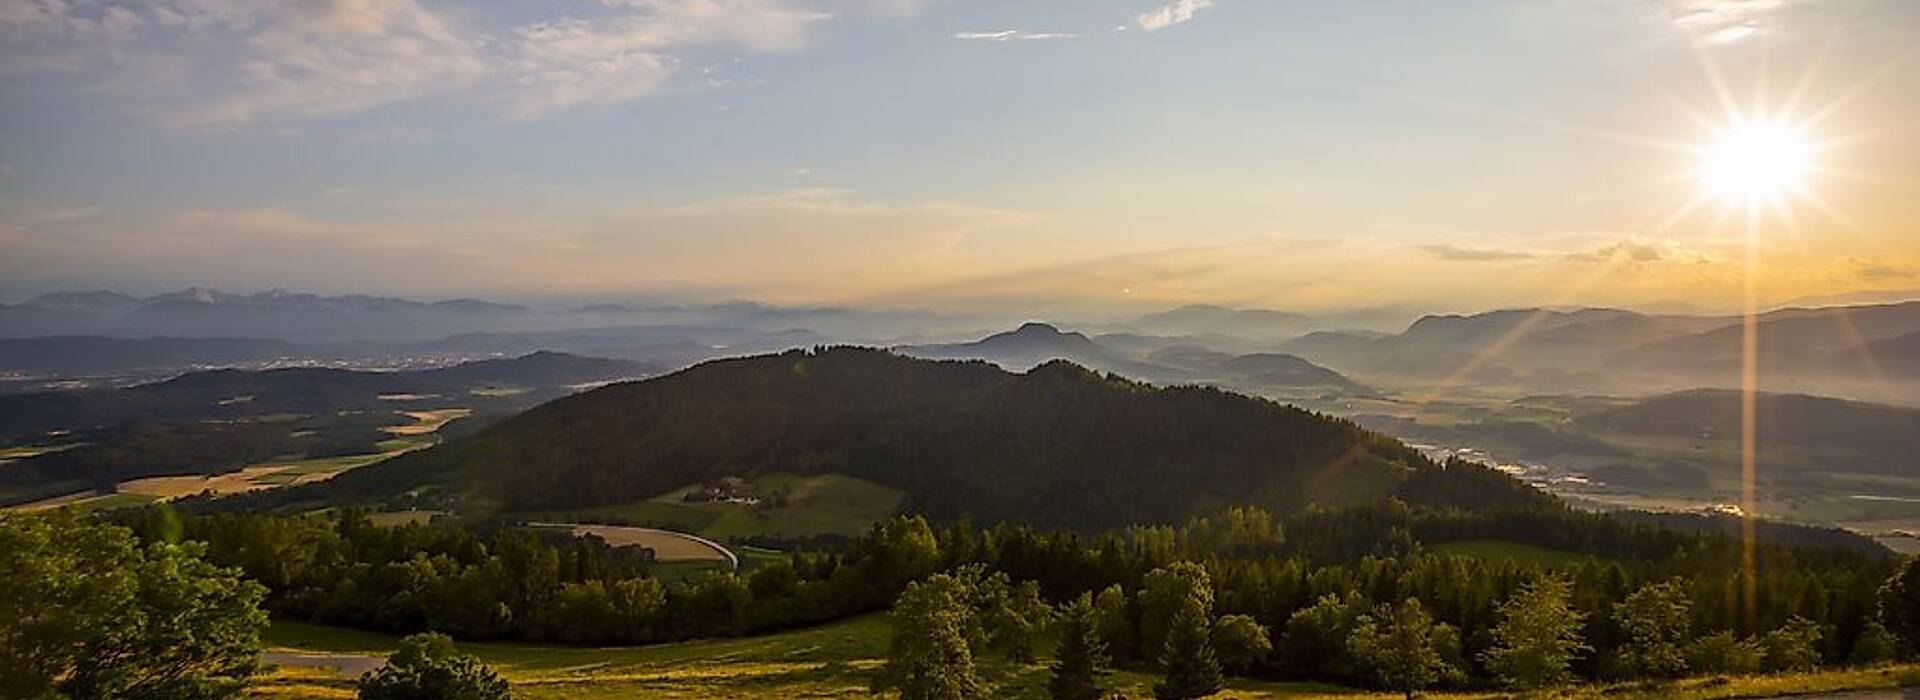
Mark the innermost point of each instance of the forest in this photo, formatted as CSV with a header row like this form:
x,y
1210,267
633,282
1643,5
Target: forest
x,y
1280,597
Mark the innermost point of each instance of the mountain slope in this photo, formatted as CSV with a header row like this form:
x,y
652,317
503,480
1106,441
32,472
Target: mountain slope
x,y
1059,445
1034,344
1836,434
230,393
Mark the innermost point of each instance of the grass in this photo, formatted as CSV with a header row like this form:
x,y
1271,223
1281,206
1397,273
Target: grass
x,y
827,504
1509,551
837,661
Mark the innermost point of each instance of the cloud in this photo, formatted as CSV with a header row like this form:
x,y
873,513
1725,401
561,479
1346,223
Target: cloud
x,y
1448,251
1877,271
1723,21
1624,251
1175,13
1005,35
253,61
338,56
569,63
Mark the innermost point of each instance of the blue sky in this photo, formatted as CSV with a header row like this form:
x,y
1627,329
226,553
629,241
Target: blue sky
x,y
1068,154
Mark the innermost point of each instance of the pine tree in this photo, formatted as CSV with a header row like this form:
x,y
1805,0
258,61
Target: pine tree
x,y
1076,666
1192,670
1538,636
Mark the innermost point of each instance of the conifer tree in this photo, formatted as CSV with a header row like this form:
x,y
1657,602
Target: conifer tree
x,y
1077,663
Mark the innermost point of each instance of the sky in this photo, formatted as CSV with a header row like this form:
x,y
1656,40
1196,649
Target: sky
x,y
1082,155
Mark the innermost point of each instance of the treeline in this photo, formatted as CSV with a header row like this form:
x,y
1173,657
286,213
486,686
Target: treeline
x,y
511,583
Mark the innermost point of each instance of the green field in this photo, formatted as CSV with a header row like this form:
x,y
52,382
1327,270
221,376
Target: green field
x,y
829,504
837,660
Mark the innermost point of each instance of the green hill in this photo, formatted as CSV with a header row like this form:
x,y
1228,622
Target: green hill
x,y
1059,445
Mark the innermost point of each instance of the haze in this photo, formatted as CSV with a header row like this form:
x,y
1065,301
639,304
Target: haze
x,y
1092,156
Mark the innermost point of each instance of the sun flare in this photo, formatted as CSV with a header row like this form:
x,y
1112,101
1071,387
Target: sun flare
x,y
1756,159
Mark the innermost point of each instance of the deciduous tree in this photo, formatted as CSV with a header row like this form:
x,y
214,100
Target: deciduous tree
x,y
1538,636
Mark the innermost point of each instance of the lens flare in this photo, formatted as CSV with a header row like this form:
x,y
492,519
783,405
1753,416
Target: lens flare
x,y
1756,159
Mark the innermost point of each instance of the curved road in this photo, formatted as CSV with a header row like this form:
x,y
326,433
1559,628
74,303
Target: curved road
x,y
733,560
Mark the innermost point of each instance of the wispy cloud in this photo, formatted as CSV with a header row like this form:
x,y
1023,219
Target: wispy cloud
x,y
1178,12
1457,253
268,60
1723,21
1005,35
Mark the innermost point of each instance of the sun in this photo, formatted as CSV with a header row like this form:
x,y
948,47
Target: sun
x,y
1756,159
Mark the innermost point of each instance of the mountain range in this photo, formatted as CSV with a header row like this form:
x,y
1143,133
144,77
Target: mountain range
x,y
1034,344
229,394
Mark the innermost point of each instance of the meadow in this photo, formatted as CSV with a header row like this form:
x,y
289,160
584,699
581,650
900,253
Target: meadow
x,y
837,660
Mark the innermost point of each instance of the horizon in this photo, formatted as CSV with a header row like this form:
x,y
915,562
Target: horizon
x,y
992,157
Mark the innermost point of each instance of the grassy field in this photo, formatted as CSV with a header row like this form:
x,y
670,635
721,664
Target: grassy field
x,y
837,660
667,546
135,492
815,505
1510,551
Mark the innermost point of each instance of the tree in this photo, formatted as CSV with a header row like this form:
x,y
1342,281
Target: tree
x,y
1401,647
1012,615
1538,636
1900,604
1188,658
1241,643
1162,594
86,612
1115,623
1795,646
1874,645
931,657
1078,660
427,667
1657,621
1314,643
1723,654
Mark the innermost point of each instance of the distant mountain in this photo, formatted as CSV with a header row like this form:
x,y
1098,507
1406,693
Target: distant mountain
x,y
1835,434
101,302
1255,371
199,311
1034,344
1619,351
80,355
230,393
1059,445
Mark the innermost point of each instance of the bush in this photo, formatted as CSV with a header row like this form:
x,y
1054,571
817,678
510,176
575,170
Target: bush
x,y
1724,654
426,667
1793,647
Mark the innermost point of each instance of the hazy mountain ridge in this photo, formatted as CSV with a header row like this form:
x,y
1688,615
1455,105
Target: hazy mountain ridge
x,y
226,394
1828,350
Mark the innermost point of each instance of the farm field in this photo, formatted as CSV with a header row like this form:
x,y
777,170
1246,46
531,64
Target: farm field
x,y
667,546
828,504
837,660
273,474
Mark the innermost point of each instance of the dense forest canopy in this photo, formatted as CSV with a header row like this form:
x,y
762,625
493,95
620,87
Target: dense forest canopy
x,y
1059,445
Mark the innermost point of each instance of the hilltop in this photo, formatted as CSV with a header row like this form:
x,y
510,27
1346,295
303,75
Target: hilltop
x,y
1059,445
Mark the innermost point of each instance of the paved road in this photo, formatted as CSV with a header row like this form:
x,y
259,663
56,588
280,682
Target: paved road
x,y
350,665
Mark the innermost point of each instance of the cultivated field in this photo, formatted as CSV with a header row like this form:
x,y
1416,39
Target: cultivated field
x,y
667,545
825,504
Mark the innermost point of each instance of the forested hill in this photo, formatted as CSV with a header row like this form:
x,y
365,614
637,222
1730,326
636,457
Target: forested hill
x,y
1059,445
